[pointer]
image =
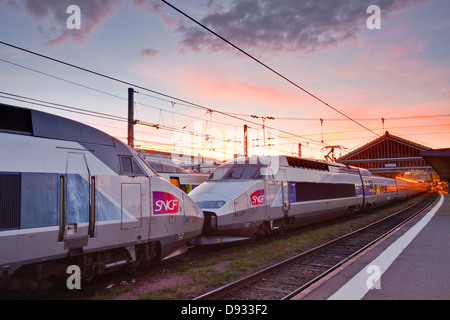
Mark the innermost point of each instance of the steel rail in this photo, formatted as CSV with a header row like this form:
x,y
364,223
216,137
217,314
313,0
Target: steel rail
x,y
361,250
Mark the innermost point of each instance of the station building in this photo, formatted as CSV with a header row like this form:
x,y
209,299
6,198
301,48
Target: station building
x,y
394,157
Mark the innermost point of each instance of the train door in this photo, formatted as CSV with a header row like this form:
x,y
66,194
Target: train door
x,y
285,193
272,189
131,207
286,197
76,213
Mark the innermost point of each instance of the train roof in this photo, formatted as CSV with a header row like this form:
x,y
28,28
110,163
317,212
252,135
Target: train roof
x,y
45,125
313,164
164,167
23,121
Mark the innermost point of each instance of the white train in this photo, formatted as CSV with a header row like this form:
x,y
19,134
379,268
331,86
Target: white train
x,y
248,197
73,195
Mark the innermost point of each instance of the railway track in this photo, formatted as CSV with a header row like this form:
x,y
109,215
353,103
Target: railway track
x,y
288,278
193,256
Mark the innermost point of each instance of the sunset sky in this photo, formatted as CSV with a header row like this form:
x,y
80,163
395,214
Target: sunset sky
x,y
400,72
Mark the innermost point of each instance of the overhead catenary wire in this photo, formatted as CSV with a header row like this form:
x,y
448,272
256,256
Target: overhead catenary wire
x,y
134,85
149,90
62,107
87,112
425,116
118,97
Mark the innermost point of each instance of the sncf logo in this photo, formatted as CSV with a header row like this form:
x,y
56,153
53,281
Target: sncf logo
x,y
164,202
257,197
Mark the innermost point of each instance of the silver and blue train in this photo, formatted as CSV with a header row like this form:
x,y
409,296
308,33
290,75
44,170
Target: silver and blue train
x,y
73,195
252,196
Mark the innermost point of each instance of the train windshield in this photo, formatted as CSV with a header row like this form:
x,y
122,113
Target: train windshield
x,y
233,171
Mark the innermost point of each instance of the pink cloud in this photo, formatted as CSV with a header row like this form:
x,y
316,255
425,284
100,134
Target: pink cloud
x,y
233,90
227,92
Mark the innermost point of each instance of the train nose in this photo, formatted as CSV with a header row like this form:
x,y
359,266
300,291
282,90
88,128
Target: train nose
x,y
210,204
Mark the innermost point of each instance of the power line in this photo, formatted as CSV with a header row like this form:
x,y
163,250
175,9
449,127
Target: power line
x,y
115,96
145,89
87,112
62,107
153,91
267,67
120,81
231,113
364,119
199,118
62,79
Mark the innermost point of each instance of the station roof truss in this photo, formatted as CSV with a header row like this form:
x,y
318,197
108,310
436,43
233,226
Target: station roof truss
x,y
389,156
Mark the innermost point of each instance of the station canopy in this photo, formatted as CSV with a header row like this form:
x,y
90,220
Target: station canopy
x,y
391,156
440,161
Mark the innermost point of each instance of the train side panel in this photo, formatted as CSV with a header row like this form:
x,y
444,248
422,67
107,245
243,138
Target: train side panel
x,y
91,202
300,192
175,216
316,195
379,191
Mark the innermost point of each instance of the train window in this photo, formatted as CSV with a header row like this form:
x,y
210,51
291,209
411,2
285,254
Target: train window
x,y
125,164
242,172
129,166
39,200
236,172
137,169
309,191
156,166
220,173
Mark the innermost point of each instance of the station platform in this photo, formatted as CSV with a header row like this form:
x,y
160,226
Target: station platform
x,y
413,263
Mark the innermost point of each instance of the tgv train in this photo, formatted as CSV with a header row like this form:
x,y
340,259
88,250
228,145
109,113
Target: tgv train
x,y
248,197
73,195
